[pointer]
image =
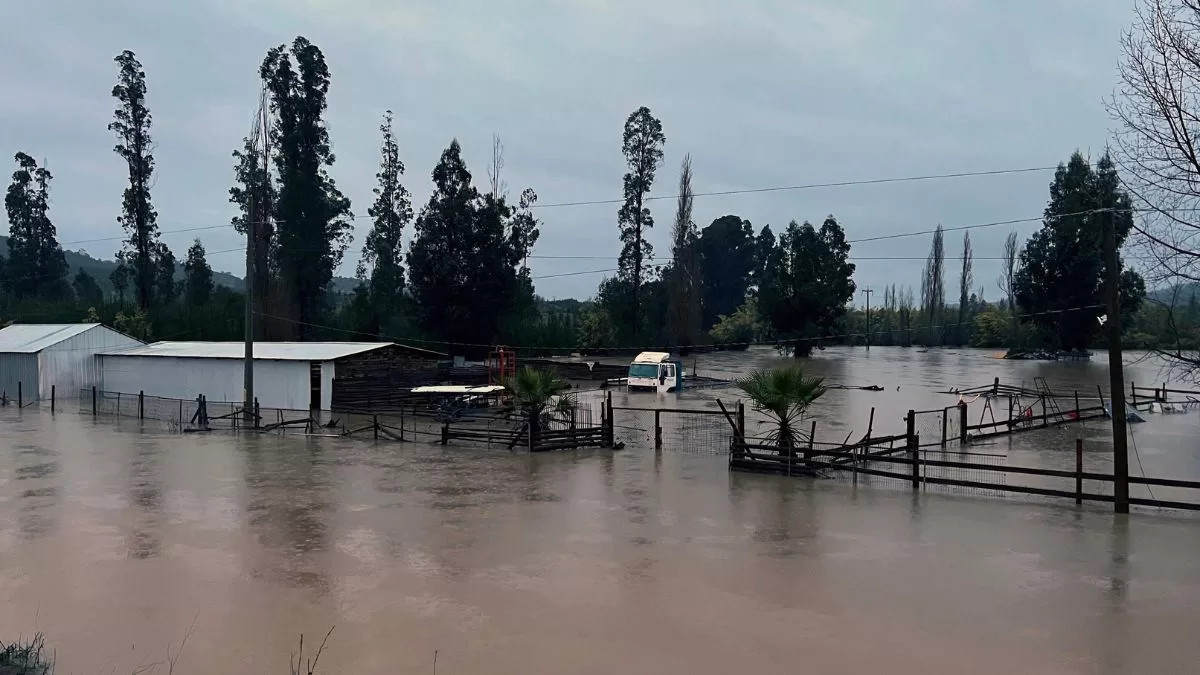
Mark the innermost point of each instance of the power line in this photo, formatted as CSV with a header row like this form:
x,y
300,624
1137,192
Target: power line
x,y
812,186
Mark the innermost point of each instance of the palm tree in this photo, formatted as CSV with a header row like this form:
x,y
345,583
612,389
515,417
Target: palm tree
x,y
783,394
538,395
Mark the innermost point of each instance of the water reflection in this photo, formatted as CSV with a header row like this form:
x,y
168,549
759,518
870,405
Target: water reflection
x,y
145,494
287,481
37,476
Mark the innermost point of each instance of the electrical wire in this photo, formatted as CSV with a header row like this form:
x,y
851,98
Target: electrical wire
x,y
811,186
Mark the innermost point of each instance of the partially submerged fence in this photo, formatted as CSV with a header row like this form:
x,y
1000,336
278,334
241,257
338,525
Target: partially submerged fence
x,y
491,427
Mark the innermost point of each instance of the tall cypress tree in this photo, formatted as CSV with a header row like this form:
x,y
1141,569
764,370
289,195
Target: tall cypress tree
x,y
131,122
683,278
642,145
36,266
933,288
312,215
381,266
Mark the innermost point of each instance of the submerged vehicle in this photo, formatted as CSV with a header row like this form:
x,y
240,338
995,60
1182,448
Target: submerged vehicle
x,y
655,371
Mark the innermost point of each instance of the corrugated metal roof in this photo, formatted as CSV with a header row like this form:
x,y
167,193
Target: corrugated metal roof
x,y
34,337
268,351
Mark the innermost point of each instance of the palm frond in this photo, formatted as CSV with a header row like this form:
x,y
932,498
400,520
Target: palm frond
x,y
783,394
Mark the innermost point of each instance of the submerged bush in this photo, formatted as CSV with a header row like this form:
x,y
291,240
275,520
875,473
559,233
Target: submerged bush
x,y
25,658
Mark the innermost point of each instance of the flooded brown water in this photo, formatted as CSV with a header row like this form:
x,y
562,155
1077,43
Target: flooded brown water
x,y
114,540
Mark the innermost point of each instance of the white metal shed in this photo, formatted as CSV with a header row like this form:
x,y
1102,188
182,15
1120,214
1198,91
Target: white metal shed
x,y
288,375
37,357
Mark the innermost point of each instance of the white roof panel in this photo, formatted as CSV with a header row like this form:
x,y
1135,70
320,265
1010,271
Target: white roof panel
x,y
34,337
268,351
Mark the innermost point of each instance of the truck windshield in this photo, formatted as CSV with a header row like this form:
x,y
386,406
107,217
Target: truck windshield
x,y
643,370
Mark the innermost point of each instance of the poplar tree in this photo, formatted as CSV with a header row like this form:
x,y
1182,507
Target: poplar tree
x,y
131,123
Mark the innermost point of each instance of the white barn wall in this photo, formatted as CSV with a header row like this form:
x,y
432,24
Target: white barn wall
x,y
72,365
277,384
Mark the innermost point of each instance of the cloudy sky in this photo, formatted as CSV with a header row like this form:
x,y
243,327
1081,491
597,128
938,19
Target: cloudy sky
x,y
762,94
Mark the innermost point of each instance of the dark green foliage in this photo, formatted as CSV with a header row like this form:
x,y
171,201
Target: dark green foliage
x,y
738,330
166,289
933,290
35,267
729,256
313,216
642,144
962,330
684,286
763,246
198,277
808,284
782,395
381,266
466,260
254,190
87,291
131,123
1060,283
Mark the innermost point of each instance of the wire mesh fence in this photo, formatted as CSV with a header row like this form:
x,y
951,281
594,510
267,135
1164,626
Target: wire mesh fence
x,y
430,423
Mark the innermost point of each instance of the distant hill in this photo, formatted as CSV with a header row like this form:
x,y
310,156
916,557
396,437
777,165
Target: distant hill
x,y
1165,295
100,270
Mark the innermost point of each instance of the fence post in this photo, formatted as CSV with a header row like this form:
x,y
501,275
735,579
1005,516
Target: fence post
x,y
93,400
612,425
445,433
741,421
945,420
20,396
1132,393
142,404
1101,392
257,410
812,437
401,421
181,415
657,430
910,427
914,452
1045,419
1077,408
962,422
52,397
375,425
996,387
1078,471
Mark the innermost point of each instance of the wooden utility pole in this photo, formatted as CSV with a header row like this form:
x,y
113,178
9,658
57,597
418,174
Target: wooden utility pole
x,y
867,292
260,135
1112,323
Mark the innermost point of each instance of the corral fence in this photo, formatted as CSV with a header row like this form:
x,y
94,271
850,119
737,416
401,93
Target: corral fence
x,y
698,430
492,427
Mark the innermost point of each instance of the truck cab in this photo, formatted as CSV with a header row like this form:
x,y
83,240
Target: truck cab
x,y
655,371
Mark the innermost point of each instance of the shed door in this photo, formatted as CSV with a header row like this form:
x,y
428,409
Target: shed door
x,y
314,379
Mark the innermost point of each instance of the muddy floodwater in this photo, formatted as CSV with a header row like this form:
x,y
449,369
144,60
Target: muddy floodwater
x,y
116,540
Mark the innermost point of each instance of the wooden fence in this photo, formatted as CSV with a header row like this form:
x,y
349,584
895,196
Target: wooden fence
x,y
912,465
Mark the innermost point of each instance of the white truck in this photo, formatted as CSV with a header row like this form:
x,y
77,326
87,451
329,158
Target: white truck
x,y
655,371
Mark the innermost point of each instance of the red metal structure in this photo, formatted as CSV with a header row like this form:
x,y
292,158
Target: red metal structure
x,y
502,365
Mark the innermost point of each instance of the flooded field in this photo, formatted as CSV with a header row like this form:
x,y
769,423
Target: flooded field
x,y
115,539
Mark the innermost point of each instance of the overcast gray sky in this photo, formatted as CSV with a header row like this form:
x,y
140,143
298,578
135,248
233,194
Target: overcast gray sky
x,y
762,94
